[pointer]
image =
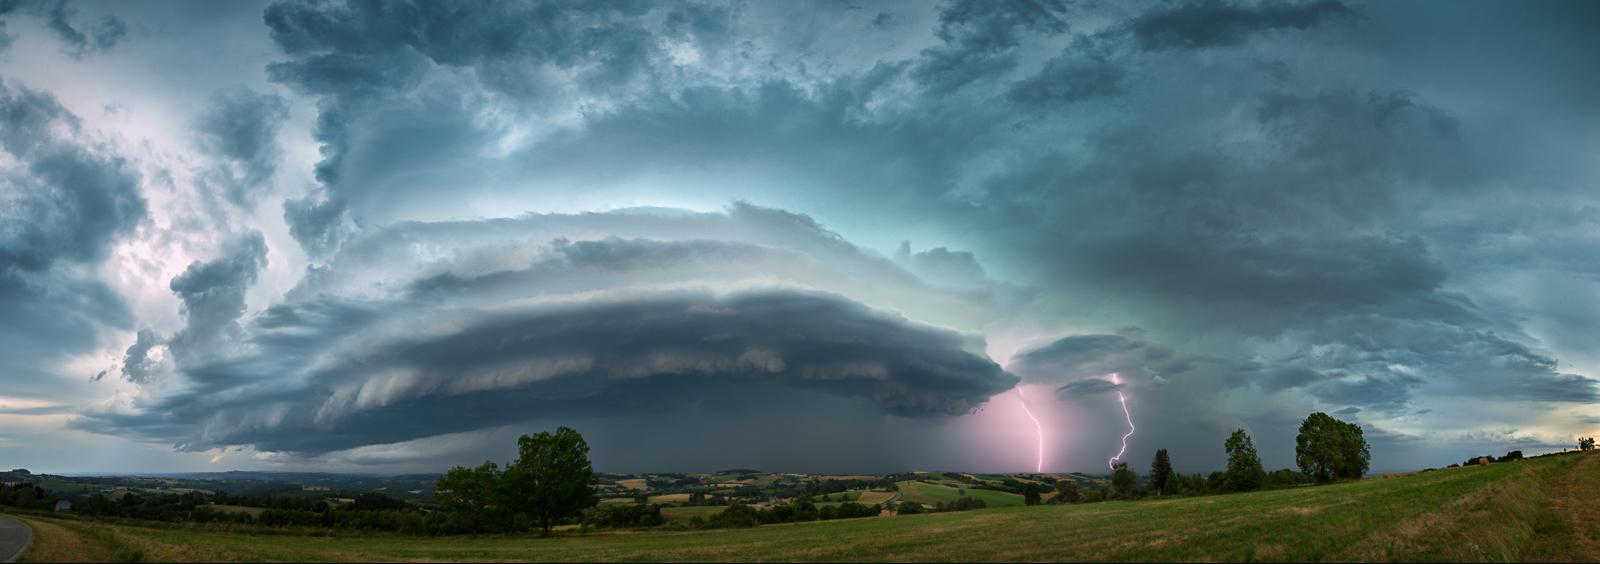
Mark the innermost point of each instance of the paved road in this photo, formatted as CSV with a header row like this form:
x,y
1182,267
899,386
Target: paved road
x,y
14,538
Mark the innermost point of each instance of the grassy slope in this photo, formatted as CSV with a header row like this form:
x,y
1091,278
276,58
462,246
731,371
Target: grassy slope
x,y
1532,510
65,541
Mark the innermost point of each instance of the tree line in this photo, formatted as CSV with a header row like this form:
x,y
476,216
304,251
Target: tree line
x,y
1326,450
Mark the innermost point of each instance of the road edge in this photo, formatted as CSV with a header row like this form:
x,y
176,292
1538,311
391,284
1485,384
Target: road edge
x,y
26,544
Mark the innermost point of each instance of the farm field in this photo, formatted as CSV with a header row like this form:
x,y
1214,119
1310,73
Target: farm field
x,y
1538,510
685,513
868,497
928,494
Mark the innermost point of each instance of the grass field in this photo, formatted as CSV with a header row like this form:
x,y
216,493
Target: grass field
x,y
1539,510
928,494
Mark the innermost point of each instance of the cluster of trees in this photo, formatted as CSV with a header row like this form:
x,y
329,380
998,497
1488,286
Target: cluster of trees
x,y
272,501
1032,493
1326,449
25,496
963,503
1511,456
756,494
368,512
406,521
550,481
1584,444
624,515
191,507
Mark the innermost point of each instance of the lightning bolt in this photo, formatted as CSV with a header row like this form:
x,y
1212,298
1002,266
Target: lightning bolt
x,y
1037,428
1124,399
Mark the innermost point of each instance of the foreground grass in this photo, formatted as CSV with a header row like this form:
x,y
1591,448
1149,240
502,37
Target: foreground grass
x,y
66,541
1541,510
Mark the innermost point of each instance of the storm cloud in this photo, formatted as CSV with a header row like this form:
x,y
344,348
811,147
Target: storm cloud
x,y
613,357
241,128
487,216
1211,24
78,37
64,201
428,329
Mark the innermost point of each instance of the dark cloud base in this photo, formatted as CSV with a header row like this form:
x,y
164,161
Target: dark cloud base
x,y
608,357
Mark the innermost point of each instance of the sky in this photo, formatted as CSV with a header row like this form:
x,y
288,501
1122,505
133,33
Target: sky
x,y
796,236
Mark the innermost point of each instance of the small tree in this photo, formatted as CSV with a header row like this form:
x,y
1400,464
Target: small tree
x,y
1244,465
1160,471
552,478
1031,494
1066,491
909,508
1586,443
1123,480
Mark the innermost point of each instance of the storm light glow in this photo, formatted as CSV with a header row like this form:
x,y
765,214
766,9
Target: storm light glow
x,y
1037,429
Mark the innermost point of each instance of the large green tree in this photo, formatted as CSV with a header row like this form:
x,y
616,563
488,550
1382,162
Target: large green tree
x,y
1244,465
1329,449
1160,471
551,478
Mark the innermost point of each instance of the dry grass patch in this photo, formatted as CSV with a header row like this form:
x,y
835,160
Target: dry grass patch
x,y
55,542
873,497
1573,500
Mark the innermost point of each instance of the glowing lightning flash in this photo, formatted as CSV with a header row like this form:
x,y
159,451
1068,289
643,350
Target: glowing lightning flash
x,y
1037,428
1124,399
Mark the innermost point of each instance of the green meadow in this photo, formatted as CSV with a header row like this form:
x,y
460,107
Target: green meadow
x,y
1534,510
929,494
